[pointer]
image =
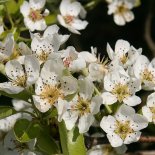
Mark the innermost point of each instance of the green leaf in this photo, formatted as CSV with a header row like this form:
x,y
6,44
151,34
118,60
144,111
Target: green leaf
x,y
26,130
47,144
50,19
71,141
12,6
22,95
6,111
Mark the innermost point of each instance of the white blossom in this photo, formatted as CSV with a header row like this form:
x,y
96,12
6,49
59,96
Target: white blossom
x,y
82,108
33,16
19,77
120,88
1,29
124,127
149,110
69,17
121,10
144,70
51,89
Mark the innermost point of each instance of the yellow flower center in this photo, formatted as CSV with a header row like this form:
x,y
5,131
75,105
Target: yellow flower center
x,y
51,94
121,91
123,129
35,15
147,75
82,106
68,19
20,81
124,58
43,56
122,8
153,112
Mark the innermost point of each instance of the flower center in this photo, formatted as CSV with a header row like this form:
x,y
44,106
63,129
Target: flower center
x,y
147,75
68,19
123,129
124,58
121,91
82,106
20,81
51,94
122,8
153,112
67,61
35,15
42,56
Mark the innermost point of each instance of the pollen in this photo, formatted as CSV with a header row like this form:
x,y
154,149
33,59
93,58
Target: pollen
x,y
20,81
123,129
51,94
35,15
124,58
147,75
68,19
121,91
82,106
42,56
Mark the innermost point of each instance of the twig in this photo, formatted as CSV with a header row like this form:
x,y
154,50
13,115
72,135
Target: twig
x,y
148,24
147,139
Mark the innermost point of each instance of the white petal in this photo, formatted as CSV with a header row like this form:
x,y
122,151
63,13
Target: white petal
x,y
147,113
133,137
108,98
128,15
7,123
150,100
14,69
110,52
37,4
70,119
108,124
132,100
139,122
24,49
32,68
108,82
79,24
10,89
86,88
122,47
88,57
62,21
51,30
95,104
41,105
63,6
118,19
40,25
25,8
114,140
69,85
85,122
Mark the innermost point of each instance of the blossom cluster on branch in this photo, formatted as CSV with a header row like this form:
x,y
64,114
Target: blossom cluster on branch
x,y
69,90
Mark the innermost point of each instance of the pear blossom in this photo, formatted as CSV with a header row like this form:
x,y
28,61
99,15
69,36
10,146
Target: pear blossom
x,y
121,10
6,48
43,47
144,70
34,15
125,53
149,110
20,77
50,90
124,127
69,17
121,88
83,107
51,31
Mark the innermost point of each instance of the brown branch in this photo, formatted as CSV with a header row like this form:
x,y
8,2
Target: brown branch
x,y
148,23
147,139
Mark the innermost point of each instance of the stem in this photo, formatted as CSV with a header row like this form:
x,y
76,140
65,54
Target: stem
x,y
24,39
106,106
147,139
27,113
9,17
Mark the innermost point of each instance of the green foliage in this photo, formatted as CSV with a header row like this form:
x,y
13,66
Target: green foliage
x,y
71,141
46,144
6,111
26,130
